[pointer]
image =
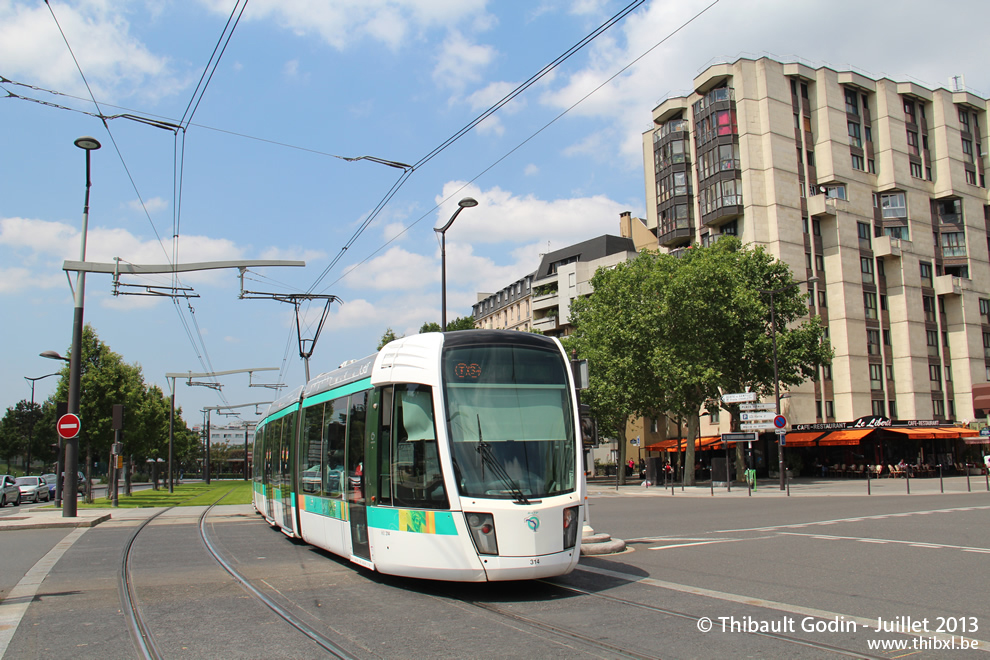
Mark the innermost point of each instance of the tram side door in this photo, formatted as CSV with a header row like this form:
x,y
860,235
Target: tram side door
x,y
285,469
356,481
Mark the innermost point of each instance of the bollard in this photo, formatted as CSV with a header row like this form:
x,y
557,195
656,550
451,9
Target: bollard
x,y
966,468
941,483
907,479
869,469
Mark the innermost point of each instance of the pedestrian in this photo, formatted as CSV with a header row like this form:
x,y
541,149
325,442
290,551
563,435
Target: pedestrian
x,y
631,466
986,463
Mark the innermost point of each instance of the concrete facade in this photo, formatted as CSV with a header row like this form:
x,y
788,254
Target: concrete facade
x,y
875,187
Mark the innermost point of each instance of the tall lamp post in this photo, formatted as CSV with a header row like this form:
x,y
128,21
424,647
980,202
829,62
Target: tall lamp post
x,y
776,381
88,145
465,203
31,430
60,458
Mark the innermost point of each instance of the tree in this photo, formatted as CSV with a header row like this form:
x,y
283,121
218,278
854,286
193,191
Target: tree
x,y
691,328
388,336
460,323
19,434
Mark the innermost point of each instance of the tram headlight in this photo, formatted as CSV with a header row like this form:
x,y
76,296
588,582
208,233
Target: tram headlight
x,y
572,523
482,526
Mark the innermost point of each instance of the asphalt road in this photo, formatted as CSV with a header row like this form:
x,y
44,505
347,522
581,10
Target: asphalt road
x,y
702,578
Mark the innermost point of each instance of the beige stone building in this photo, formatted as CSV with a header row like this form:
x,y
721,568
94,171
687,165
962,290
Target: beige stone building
x,y
877,188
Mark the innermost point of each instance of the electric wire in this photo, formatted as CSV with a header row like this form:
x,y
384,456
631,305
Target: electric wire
x,y
525,141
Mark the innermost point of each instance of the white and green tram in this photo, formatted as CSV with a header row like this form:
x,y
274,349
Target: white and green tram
x,y
452,456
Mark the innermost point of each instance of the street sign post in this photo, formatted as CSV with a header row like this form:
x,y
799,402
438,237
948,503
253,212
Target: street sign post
x,y
780,421
761,416
757,426
739,397
68,426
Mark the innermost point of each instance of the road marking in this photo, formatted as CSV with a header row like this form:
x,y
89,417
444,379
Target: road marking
x,y
847,520
913,544
685,545
13,607
869,623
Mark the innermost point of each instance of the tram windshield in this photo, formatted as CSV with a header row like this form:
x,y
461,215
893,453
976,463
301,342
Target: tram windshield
x,y
510,421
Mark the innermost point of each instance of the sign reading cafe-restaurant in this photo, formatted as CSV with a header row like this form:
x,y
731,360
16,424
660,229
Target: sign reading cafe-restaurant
x,y
869,422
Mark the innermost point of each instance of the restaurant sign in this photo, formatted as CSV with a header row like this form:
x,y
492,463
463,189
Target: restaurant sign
x,y
869,422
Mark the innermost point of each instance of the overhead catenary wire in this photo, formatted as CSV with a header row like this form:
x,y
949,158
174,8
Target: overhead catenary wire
x,y
528,139
625,11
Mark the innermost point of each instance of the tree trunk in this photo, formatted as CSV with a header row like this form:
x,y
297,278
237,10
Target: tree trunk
x,y
694,423
621,452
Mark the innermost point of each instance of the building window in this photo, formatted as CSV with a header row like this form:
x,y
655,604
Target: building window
x,y
830,409
897,232
871,166
822,299
890,372
836,191
938,407
886,338
819,263
986,348
971,177
892,409
967,147
866,267
985,309
877,407
816,227
870,305
912,142
893,205
916,170
948,374
855,138
964,120
863,231
928,304
852,106
827,372
954,244
926,274
935,376
873,342
931,338
857,163
909,112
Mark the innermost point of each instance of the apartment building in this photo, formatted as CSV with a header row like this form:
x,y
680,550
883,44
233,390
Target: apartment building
x,y
877,188
508,309
566,274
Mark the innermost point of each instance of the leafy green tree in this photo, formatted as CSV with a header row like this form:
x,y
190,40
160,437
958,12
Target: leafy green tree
x,y
460,323
19,433
429,326
105,380
689,329
388,336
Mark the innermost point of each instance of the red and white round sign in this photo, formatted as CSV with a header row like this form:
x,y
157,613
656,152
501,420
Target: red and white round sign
x,y
68,426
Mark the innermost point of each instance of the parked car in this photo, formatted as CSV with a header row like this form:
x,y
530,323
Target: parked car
x,y
33,489
50,480
10,493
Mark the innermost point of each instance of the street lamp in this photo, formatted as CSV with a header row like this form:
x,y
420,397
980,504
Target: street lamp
x,y
88,145
31,430
776,382
60,458
465,203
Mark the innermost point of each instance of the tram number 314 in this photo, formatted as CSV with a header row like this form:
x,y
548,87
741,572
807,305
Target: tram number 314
x,y
534,562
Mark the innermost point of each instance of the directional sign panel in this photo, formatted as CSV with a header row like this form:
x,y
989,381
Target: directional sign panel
x,y
739,397
759,405
757,426
766,416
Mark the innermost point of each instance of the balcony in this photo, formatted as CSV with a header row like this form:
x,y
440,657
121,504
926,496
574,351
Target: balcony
x,y
820,206
951,285
886,246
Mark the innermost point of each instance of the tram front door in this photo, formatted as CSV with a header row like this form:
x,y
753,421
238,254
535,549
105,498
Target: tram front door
x,y
358,515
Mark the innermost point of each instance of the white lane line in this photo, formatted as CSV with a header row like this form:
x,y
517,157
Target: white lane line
x,y
13,607
755,602
846,520
913,544
685,545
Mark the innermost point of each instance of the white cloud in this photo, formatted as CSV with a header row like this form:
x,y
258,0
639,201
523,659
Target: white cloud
x,y
531,170
344,23
153,205
461,62
115,62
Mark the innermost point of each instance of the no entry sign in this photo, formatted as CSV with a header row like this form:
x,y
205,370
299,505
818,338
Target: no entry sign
x,y
68,426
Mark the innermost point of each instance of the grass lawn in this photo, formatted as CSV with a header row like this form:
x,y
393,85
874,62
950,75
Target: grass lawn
x,y
193,494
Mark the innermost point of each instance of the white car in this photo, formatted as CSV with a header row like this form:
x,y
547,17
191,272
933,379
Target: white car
x,y
33,489
9,492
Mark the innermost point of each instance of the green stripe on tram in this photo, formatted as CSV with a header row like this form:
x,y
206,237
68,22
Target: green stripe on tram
x,y
350,388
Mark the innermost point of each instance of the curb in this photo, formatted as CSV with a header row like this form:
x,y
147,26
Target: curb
x,y
33,522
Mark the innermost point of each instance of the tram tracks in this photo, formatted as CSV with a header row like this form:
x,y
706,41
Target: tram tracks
x,y
138,622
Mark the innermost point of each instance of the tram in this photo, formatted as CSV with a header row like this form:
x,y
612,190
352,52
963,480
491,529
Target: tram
x,y
450,456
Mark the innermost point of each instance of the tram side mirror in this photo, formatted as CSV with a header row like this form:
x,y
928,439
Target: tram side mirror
x,y
579,371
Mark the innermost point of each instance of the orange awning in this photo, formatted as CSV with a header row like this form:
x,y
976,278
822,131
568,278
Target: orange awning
x,y
802,439
916,433
845,437
700,444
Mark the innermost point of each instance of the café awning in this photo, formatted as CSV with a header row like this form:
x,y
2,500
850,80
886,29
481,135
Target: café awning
x,y
844,437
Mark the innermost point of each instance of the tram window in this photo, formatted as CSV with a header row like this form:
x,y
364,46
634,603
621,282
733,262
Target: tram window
x,y
355,446
416,475
311,450
385,447
334,427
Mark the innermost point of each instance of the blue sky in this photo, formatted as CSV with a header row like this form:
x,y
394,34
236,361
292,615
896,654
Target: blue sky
x,y
303,85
